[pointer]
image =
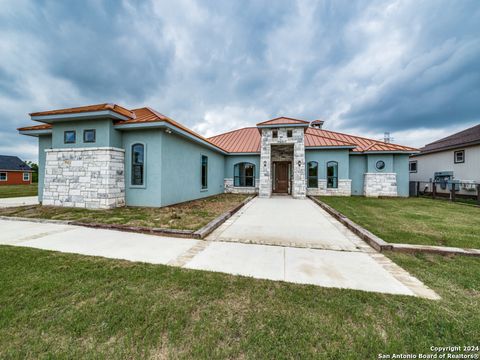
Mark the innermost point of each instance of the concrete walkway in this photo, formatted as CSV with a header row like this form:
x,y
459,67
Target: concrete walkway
x,y
18,201
361,270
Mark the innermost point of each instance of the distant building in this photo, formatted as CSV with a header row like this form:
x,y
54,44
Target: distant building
x,y
456,157
14,171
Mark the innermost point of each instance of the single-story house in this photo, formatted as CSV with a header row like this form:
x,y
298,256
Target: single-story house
x,y
455,158
105,155
14,171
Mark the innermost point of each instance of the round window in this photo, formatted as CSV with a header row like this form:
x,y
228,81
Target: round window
x,y
380,165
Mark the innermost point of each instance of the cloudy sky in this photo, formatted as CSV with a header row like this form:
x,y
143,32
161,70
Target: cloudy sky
x,y
408,67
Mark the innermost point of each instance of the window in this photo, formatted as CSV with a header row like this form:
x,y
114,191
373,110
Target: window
x,y
3,176
459,156
412,166
89,136
204,172
380,165
332,174
244,174
312,168
275,134
69,137
289,133
138,164
26,176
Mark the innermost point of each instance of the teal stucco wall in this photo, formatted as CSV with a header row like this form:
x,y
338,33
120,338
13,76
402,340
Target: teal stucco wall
x,y
181,170
400,166
105,134
44,142
358,167
387,158
148,194
231,160
323,156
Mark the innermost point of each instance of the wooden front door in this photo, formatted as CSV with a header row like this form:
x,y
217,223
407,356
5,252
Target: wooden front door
x,y
281,177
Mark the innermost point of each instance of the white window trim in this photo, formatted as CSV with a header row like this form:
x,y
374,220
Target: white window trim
x,y
28,176
416,166
455,153
6,176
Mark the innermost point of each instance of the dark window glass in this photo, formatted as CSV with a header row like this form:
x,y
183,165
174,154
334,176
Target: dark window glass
x,y
204,172
380,165
138,158
289,133
275,134
89,136
312,169
413,166
3,176
332,174
69,137
459,156
244,174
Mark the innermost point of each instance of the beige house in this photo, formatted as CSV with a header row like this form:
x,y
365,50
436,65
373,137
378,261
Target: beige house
x,y
455,158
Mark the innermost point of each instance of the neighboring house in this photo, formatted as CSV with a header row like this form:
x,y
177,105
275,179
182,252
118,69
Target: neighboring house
x,y
103,156
456,157
14,171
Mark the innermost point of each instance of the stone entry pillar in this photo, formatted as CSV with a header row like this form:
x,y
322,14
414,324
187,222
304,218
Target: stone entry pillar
x,y
298,184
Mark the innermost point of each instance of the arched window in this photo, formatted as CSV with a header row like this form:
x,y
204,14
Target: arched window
x,y
244,174
332,174
312,168
138,166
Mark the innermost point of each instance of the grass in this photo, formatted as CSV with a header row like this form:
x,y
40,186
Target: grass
x,y
190,215
9,191
414,220
55,305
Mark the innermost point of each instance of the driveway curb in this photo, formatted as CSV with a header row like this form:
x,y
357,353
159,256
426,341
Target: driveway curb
x,y
381,245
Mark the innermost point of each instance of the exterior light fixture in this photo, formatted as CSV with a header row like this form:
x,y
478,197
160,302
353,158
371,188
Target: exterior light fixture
x,y
168,131
299,162
265,163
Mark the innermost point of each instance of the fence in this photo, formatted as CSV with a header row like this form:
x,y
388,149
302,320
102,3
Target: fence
x,y
454,190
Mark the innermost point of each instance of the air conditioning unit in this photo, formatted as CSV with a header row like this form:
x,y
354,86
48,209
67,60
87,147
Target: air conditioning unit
x,y
468,185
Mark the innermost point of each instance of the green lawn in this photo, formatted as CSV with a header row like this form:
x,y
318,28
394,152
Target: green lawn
x,y
413,220
190,215
8,191
55,305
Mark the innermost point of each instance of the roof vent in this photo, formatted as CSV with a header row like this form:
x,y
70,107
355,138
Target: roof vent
x,y
317,124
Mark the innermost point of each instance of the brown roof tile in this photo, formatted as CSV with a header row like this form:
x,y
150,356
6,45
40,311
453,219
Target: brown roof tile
x,y
35,127
465,137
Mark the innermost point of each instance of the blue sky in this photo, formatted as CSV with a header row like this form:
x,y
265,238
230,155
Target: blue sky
x,y
408,67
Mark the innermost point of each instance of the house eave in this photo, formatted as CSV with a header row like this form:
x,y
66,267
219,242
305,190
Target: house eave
x,y
35,133
87,115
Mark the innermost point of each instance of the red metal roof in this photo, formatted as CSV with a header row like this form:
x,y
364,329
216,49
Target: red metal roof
x,y
246,140
35,127
98,107
283,121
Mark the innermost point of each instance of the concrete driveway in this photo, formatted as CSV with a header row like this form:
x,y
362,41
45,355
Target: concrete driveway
x,y
360,270
18,201
285,221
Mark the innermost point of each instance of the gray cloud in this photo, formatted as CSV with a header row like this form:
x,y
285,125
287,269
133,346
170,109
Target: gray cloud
x,y
365,67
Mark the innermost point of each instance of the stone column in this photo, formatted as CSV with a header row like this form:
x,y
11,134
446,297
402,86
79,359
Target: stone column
x,y
299,186
265,186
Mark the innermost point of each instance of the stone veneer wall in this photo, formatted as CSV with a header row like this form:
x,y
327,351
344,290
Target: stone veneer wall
x,y
344,188
380,184
90,178
229,188
298,141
